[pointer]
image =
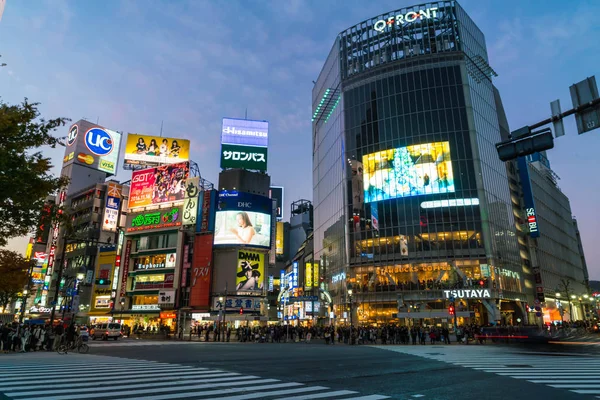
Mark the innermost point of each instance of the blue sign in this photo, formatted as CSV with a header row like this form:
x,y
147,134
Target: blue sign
x,y
530,213
245,132
240,201
99,142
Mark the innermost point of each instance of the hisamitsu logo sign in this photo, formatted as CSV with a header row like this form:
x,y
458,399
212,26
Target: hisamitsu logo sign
x,y
245,132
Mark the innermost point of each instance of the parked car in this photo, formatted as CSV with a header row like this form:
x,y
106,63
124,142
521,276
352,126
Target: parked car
x,y
106,331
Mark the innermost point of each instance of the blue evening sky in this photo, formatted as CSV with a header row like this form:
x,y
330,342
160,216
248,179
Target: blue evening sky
x,y
132,64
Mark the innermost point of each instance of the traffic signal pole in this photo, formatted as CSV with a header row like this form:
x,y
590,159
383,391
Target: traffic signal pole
x,y
524,141
572,111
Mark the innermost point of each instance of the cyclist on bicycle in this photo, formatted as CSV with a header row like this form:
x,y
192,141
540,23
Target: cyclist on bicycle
x,y
71,334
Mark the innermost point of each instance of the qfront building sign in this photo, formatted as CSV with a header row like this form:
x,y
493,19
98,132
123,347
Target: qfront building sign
x,y
404,18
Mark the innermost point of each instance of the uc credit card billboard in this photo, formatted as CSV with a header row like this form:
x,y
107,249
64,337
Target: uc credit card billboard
x,y
154,150
92,146
158,185
243,219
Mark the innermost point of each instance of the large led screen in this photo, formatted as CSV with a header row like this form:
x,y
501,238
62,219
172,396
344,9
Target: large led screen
x,y
243,219
408,171
158,185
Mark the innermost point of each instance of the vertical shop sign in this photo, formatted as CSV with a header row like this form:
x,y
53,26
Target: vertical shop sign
x,y
125,268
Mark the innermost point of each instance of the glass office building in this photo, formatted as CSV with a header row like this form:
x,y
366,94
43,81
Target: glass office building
x,y
411,200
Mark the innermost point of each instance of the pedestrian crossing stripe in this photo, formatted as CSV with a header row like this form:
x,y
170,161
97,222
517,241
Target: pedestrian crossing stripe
x,y
72,378
574,372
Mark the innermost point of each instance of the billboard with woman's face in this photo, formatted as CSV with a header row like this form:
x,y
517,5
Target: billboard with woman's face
x,y
243,219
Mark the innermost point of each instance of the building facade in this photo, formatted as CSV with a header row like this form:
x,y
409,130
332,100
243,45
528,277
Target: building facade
x,y
411,204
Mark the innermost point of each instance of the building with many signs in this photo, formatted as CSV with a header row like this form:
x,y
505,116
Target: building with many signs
x,y
412,208
91,156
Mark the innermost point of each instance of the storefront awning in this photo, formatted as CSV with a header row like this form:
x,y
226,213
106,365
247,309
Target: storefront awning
x,y
434,314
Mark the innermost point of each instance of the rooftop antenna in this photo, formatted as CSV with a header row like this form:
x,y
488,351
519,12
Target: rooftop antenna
x,y
161,127
97,120
246,117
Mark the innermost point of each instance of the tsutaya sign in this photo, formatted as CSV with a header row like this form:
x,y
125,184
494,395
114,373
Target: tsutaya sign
x,y
467,293
402,19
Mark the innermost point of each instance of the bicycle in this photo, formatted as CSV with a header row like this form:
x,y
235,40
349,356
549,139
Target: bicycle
x,y
77,344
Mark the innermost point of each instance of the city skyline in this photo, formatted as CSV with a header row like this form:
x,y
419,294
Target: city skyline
x,y
197,63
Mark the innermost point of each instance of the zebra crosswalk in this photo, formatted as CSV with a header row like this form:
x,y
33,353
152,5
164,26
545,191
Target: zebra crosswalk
x,y
576,373
136,343
49,376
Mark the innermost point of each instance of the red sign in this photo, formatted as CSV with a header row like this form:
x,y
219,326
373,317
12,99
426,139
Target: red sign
x,y
200,278
125,271
168,315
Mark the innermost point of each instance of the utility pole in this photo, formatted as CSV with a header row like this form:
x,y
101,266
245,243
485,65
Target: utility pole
x,y
61,266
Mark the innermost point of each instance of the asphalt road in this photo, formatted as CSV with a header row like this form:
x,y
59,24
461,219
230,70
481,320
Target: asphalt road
x,y
427,373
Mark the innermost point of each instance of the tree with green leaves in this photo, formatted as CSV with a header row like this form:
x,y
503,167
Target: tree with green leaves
x,y
25,178
14,272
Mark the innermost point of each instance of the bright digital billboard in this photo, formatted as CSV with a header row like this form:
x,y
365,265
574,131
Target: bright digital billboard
x,y
154,150
92,146
408,171
243,219
250,271
158,185
245,132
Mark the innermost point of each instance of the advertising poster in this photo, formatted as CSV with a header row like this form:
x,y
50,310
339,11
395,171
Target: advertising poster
x,y
250,275
245,132
279,239
158,185
150,150
111,214
243,219
408,171
92,146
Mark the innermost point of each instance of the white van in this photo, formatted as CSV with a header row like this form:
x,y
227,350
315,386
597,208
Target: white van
x,y
106,331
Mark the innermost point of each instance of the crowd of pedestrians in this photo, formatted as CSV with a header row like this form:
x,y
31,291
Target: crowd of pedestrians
x,y
16,337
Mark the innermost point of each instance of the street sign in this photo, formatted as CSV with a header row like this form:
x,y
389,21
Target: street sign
x,y
536,302
582,93
538,314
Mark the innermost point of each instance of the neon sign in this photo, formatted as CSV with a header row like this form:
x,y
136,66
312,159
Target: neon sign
x,y
402,19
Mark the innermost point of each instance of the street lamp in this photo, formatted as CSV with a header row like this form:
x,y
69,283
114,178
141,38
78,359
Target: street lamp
x,y
557,294
220,324
350,296
122,302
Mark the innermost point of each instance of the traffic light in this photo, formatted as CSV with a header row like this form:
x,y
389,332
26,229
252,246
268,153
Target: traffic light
x,y
481,282
102,282
451,309
241,310
525,143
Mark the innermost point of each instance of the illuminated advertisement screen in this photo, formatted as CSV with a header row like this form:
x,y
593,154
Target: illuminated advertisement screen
x,y
408,171
158,185
250,271
150,150
92,146
245,132
243,219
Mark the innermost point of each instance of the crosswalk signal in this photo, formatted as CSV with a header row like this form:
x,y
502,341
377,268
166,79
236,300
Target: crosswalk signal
x,y
481,283
241,310
524,143
451,309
